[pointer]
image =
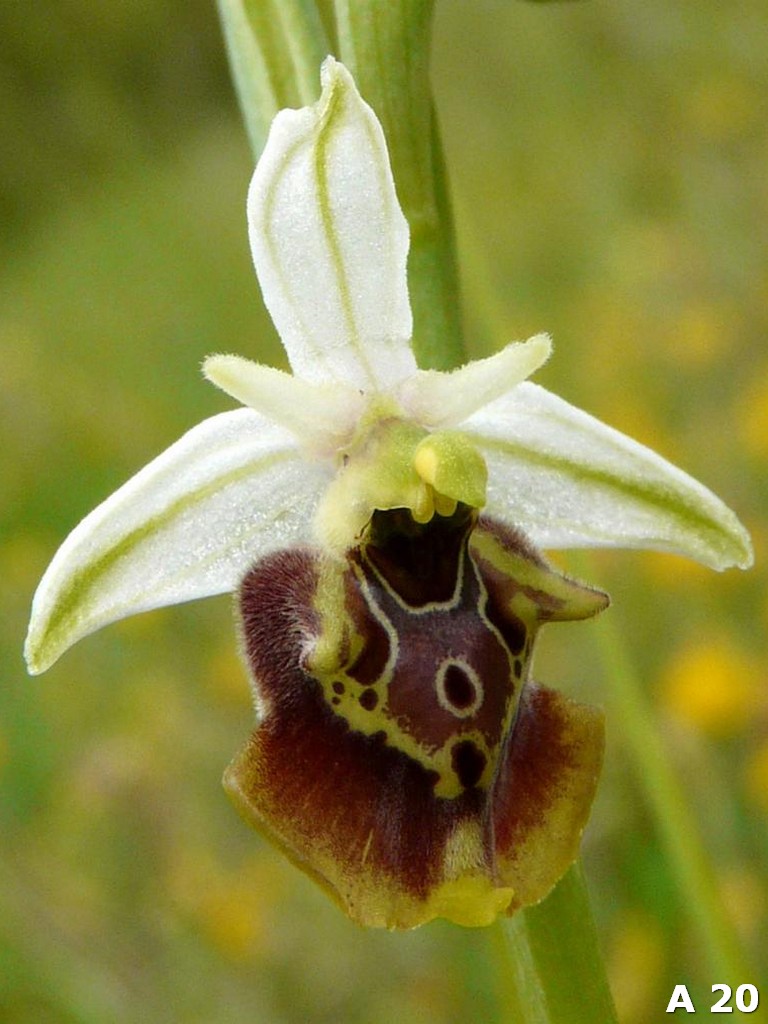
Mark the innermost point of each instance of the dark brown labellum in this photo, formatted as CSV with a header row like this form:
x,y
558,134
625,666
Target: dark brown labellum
x,y
402,755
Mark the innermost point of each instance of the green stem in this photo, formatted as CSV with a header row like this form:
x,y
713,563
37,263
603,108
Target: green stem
x,y
676,824
386,45
275,49
556,970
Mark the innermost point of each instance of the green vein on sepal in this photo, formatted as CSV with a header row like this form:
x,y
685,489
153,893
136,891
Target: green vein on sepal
x,y
729,542
334,98
45,644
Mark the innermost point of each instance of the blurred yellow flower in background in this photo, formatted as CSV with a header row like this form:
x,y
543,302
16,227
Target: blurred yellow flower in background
x,y
700,335
229,905
712,684
752,414
636,962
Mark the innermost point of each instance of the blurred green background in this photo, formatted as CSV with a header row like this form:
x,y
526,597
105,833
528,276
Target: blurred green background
x,y
609,165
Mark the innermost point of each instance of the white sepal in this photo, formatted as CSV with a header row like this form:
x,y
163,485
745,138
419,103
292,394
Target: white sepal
x,y
330,242
569,480
188,525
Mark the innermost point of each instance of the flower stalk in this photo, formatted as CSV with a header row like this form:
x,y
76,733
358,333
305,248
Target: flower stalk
x,y
275,48
555,968
386,46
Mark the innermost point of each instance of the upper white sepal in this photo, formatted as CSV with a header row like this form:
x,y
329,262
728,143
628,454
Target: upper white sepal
x,y
330,242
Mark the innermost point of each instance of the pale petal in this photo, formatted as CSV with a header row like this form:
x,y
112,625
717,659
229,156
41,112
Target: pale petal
x,y
330,242
437,399
568,480
322,416
189,524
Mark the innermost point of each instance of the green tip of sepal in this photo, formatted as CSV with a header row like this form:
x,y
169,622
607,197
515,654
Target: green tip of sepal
x,y
37,661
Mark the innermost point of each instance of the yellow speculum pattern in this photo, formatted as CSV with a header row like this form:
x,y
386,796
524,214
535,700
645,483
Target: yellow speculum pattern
x,y
366,706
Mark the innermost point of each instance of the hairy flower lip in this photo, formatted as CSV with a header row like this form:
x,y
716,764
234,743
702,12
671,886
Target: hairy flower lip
x,y
330,244
409,793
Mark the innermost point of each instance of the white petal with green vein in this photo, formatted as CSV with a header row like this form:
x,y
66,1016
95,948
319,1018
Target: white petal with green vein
x,y
569,480
188,525
330,242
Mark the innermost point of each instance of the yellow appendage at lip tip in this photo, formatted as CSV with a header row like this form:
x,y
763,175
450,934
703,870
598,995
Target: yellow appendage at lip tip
x,y
472,901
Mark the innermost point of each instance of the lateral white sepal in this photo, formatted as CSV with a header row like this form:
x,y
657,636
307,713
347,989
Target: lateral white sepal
x,y
189,524
571,481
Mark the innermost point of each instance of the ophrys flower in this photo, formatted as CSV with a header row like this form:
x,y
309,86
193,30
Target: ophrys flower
x,y
311,473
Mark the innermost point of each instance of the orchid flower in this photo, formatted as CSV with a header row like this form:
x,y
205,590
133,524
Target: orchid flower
x,y
403,756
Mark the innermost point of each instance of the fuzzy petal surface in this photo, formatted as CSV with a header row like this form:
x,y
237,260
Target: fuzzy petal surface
x,y
322,416
438,399
402,758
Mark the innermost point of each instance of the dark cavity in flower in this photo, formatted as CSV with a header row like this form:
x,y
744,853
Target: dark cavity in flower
x,y
419,560
468,763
